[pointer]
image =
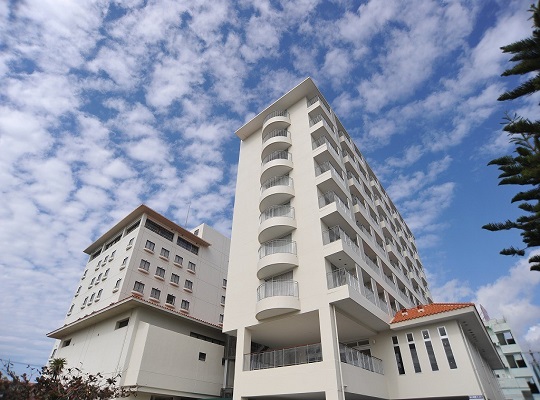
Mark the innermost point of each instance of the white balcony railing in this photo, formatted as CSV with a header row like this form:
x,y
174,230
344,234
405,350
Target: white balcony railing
x,y
331,197
322,141
277,181
277,246
277,288
336,233
277,211
306,354
327,166
277,155
278,113
275,133
355,357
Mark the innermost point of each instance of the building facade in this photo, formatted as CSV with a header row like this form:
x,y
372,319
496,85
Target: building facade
x,y
516,378
149,307
321,261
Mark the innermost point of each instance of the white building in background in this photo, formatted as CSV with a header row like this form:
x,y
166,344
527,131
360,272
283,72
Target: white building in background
x,y
325,286
516,378
149,306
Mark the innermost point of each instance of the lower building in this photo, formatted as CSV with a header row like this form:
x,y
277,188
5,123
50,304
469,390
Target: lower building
x,y
516,378
149,308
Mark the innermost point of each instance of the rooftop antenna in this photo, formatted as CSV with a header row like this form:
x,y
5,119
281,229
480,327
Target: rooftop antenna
x,y
187,214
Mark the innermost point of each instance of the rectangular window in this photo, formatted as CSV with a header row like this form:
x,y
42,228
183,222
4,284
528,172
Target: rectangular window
x,y
155,227
84,274
224,283
155,293
220,318
149,246
138,287
175,279
160,272
145,265
430,352
187,245
124,262
130,243
133,227
202,356
397,353
117,283
222,300
206,338
121,324
66,342
191,267
185,305
414,354
516,361
170,299
164,253
505,338
78,290
97,253
99,294
447,347
84,302
178,260
188,285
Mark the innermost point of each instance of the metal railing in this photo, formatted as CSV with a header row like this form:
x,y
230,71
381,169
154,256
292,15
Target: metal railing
x,y
277,181
389,280
277,211
372,263
306,354
275,133
315,99
277,288
355,357
342,277
336,233
277,246
322,141
331,197
277,155
327,166
278,113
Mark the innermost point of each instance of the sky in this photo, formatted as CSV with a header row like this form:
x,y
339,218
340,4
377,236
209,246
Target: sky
x,y
105,105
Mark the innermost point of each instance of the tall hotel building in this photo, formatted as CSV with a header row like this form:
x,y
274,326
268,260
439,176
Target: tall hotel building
x,y
327,296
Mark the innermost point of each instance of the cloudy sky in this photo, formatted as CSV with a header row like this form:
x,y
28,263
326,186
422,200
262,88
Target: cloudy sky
x,y
105,105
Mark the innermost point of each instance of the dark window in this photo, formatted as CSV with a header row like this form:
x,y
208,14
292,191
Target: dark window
x,y
138,287
113,242
160,272
144,265
155,293
66,342
399,359
122,323
449,353
206,338
170,299
505,338
164,253
133,227
414,353
187,245
178,259
154,227
431,353
202,356
149,245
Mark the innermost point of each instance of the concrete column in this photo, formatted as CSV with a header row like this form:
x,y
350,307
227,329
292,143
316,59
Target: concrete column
x,y
330,352
243,346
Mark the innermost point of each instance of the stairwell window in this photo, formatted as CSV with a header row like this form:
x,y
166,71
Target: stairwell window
x,y
222,300
430,352
414,353
220,318
447,348
78,291
397,353
84,302
92,283
124,261
117,286
91,298
224,285
516,361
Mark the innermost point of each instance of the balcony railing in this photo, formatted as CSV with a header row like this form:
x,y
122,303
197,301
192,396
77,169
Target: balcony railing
x,y
277,288
336,233
307,354
277,211
275,133
331,197
327,166
277,246
355,357
277,181
372,263
321,141
277,155
342,277
315,99
278,113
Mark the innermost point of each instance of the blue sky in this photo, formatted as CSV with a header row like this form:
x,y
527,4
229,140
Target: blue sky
x,y
105,105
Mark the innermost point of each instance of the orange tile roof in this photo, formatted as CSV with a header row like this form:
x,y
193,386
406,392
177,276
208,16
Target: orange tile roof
x,y
426,310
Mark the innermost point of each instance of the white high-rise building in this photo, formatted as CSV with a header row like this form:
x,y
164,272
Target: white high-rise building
x,y
327,296
149,306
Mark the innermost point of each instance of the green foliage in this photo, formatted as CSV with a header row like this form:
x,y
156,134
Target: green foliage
x,y
523,167
55,382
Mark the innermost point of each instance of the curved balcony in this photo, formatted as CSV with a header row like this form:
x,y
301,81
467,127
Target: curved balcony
x,y
278,163
276,257
279,119
276,221
277,298
276,190
275,140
